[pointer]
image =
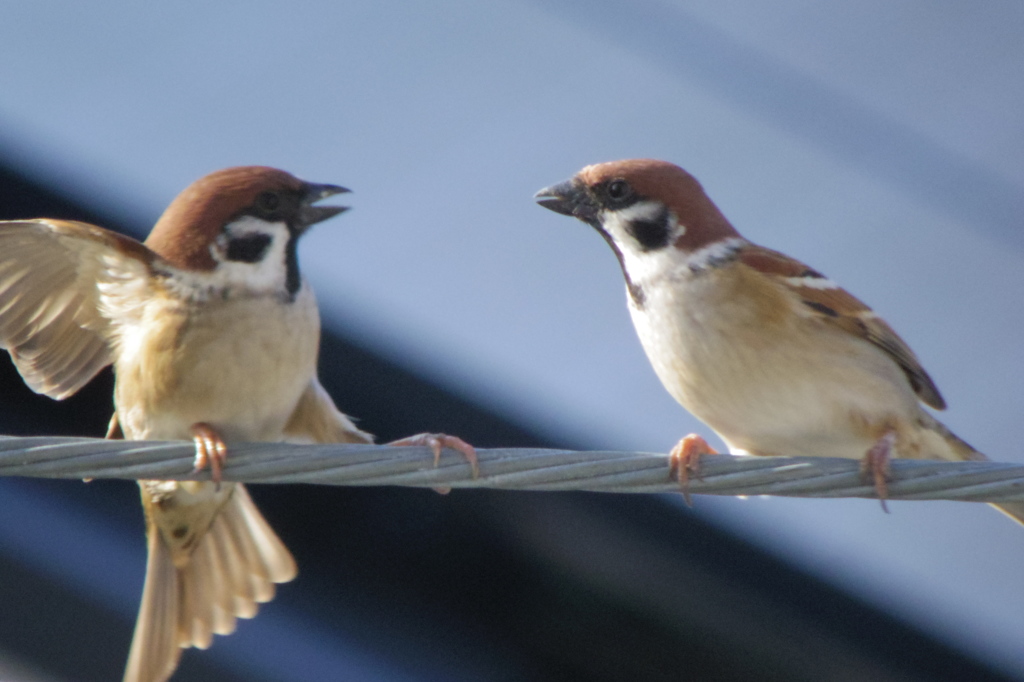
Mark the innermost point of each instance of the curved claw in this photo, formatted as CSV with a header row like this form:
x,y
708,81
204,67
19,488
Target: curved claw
x,y
684,460
211,451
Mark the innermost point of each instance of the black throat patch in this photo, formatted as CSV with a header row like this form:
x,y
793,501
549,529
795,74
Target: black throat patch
x,y
292,278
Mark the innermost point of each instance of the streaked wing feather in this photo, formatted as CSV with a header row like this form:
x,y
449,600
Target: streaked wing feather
x,y
838,307
64,357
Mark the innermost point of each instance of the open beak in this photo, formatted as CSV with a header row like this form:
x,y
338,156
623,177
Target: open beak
x,y
310,214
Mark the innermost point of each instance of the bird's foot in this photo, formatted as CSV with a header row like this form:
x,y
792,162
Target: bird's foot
x,y
684,462
875,466
211,452
437,442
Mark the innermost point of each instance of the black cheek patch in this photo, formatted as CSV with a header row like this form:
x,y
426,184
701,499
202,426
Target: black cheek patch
x,y
650,234
248,249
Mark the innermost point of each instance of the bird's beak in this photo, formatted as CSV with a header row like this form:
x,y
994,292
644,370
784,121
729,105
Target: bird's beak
x,y
310,214
569,198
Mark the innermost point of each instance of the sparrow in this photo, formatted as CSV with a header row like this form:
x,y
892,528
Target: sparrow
x,y
213,334
774,357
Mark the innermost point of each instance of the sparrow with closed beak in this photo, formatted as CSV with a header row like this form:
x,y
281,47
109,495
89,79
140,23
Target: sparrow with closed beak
x,y
213,334
771,355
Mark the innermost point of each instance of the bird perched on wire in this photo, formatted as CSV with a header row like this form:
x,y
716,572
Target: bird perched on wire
x,y
773,356
213,334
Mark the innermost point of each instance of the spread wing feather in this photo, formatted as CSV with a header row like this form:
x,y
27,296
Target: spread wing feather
x,y
51,317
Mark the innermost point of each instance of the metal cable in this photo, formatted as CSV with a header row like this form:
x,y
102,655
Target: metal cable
x,y
508,468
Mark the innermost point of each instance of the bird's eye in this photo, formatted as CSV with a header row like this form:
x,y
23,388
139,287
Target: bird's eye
x,y
268,201
619,191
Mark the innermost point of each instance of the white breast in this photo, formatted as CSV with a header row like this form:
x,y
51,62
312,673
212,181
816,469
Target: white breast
x,y
239,365
766,382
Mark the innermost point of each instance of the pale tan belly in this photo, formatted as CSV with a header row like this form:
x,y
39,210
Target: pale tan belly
x,y
238,365
775,385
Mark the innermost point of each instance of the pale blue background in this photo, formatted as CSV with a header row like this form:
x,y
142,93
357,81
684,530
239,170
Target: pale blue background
x,y
880,142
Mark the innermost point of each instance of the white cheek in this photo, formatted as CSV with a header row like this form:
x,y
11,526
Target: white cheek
x,y
616,223
267,274
641,210
643,265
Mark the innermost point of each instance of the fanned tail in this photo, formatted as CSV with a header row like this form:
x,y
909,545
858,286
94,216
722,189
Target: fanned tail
x,y
233,568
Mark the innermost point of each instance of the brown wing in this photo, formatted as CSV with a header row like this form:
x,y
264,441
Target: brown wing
x,y
838,307
50,314
317,420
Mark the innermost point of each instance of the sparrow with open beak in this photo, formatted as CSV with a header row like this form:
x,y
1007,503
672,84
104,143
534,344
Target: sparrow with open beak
x,y
774,357
214,335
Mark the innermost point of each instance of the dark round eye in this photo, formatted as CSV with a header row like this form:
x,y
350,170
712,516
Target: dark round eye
x,y
619,190
268,201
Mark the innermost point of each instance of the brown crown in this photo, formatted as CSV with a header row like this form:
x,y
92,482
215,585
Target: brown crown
x,y
674,187
184,232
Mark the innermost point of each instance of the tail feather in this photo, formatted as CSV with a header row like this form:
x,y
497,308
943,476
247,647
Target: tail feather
x,y
228,604
951,447
155,652
232,569
941,443
241,573
274,556
195,605
1015,510
220,595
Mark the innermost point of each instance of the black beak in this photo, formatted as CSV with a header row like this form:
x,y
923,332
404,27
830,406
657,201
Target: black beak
x,y
312,193
569,198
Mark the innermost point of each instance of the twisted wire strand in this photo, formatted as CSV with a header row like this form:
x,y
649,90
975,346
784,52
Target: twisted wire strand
x,y
508,468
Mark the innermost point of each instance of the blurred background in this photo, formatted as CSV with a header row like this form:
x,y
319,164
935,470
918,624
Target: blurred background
x,y
879,142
